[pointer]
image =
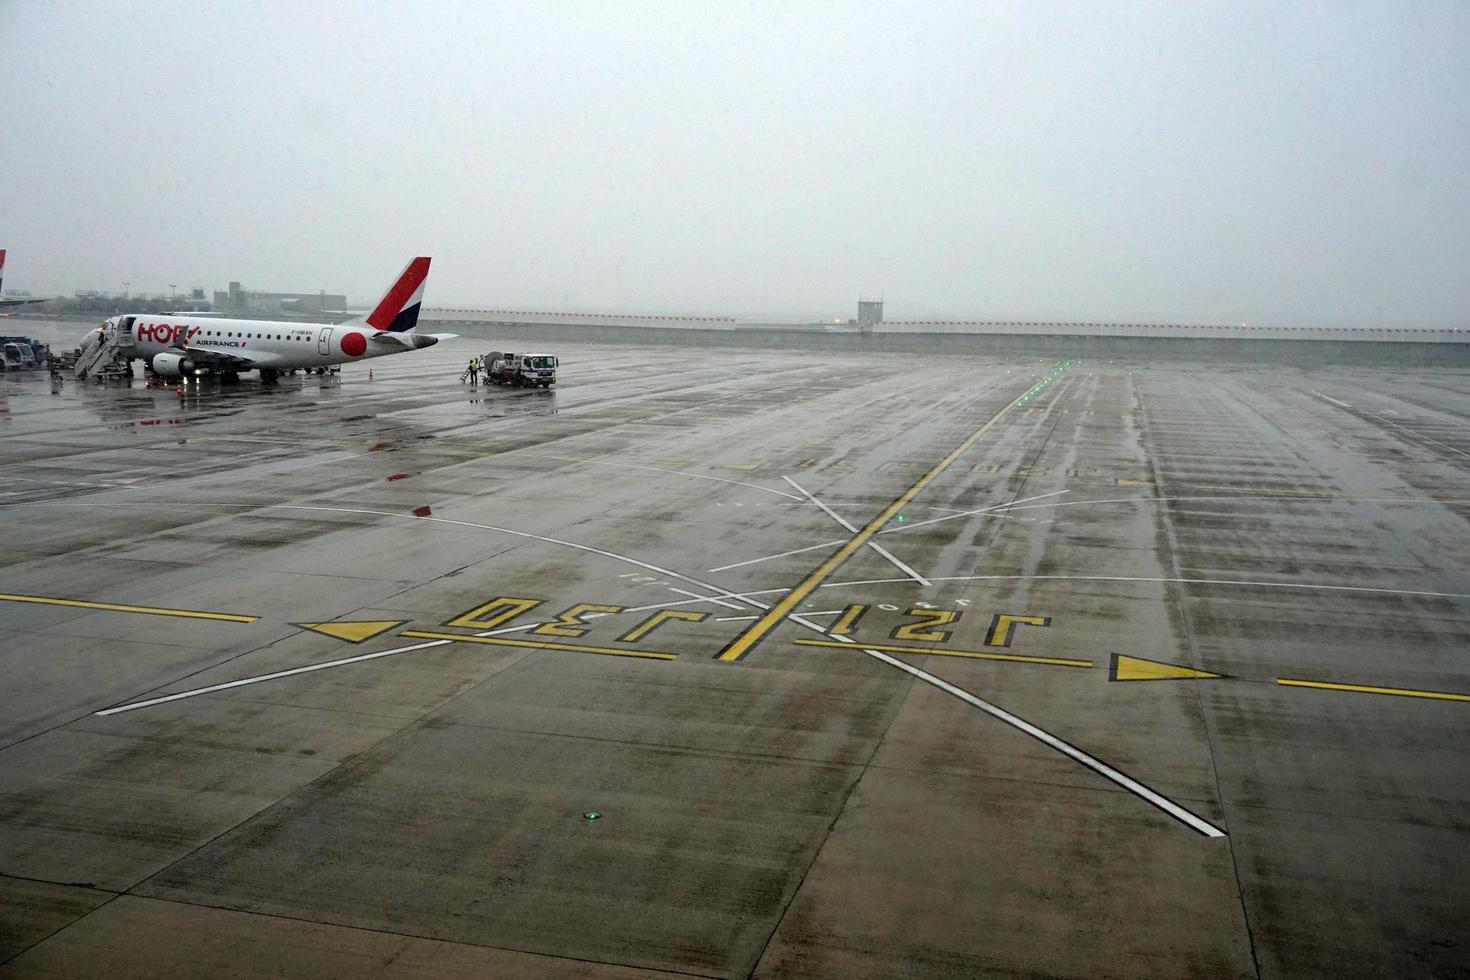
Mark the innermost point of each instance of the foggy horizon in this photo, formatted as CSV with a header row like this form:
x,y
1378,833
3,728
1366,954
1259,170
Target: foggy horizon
x,y
1262,163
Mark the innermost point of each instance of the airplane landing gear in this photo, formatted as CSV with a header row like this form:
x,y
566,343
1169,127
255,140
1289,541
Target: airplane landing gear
x,y
268,376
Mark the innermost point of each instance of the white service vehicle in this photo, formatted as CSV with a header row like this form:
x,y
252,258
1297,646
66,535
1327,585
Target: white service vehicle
x,y
521,370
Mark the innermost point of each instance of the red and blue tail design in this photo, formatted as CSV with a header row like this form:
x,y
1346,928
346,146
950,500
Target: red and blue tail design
x,y
398,310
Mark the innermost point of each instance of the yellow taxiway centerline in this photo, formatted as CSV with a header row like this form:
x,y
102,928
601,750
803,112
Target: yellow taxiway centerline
x,y
757,631
119,607
539,645
971,654
1401,692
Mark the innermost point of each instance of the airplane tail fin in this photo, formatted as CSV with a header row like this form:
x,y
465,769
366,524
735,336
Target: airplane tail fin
x,y
398,310
2,268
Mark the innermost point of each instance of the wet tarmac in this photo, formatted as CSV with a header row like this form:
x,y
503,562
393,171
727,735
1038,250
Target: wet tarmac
x,y
731,663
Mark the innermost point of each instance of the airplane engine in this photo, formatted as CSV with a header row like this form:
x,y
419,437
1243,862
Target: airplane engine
x,y
172,365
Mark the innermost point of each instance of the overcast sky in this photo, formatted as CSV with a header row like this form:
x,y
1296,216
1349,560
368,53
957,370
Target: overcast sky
x,y
1278,162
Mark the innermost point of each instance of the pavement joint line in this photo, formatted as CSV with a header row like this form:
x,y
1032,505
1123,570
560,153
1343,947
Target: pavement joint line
x,y
719,592
123,608
743,643
871,543
660,469
539,645
1401,692
941,652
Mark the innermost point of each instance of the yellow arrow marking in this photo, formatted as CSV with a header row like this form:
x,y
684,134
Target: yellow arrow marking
x,y
931,652
354,631
503,641
118,607
1401,692
1124,668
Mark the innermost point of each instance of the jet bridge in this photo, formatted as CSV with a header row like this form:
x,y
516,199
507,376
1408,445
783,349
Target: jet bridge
x,y
107,352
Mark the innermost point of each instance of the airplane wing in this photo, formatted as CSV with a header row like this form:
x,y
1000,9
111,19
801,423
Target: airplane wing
x,y
401,341
217,360
408,339
19,302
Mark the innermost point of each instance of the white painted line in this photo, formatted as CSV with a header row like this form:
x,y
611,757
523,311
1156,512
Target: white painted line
x,y
784,554
723,595
719,594
995,508
896,528
871,544
1397,425
900,565
309,668
1066,748
702,598
717,590
734,619
134,706
1047,738
1416,432
1179,581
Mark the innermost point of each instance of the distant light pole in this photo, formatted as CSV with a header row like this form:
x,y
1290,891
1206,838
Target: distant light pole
x,y
125,289
172,296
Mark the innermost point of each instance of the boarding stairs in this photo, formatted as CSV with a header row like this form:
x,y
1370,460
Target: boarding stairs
x,y
107,353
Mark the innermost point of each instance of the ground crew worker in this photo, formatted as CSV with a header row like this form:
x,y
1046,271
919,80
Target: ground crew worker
x,y
474,370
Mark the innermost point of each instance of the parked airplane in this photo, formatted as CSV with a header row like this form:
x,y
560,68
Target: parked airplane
x,y
184,345
11,302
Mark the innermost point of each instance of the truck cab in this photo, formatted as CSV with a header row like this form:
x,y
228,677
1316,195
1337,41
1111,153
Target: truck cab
x,y
537,370
522,370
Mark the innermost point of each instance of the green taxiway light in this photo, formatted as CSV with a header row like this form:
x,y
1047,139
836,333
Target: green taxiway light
x,y
591,815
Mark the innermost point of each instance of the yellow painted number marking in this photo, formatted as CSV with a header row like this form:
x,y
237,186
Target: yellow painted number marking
x,y
848,621
570,622
658,619
498,610
925,630
1003,628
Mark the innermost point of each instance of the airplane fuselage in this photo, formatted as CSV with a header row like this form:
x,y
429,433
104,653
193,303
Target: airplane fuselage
x,y
264,344
178,345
